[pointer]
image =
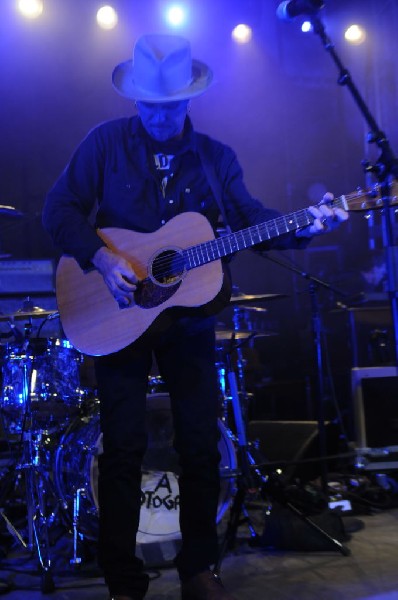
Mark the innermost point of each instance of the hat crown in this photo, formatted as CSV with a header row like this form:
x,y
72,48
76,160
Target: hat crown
x,y
161,70
162,64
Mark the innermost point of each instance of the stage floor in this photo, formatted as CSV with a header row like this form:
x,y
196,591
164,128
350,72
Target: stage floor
x,y
250,573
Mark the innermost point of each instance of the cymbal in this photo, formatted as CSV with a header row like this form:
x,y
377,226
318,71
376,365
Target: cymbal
x,y
250,308
35,313
9,211
241,334
243,298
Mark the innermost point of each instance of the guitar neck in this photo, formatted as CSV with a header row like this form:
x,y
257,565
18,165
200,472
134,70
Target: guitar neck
x,y
201,254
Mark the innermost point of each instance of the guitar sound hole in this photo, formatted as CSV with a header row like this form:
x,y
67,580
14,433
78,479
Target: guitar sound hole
x,y
168,267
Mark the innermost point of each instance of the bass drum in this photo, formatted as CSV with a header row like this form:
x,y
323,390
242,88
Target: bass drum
x,y
76,473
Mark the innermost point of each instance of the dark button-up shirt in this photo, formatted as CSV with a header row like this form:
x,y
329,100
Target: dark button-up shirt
x,y
111,176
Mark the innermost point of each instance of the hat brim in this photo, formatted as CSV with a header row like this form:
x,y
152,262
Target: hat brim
x,y
123,82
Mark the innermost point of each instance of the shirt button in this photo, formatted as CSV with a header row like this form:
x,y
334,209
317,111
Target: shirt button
x,y
162,222
187,190
171,201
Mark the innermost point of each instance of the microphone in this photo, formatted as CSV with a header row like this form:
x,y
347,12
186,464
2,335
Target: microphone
x,y
293,8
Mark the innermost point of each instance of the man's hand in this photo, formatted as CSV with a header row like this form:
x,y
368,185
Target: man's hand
x,y
118,275
326,218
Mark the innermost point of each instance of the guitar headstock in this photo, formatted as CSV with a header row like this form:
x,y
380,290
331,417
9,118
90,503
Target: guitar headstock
x,y
370,199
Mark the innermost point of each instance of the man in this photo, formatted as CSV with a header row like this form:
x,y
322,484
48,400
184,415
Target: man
x,y
142,172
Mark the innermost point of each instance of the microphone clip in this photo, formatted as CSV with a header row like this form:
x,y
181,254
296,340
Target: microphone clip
x,y
293,8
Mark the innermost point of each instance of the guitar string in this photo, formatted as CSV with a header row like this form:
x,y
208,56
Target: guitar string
x,y
164,263
167,266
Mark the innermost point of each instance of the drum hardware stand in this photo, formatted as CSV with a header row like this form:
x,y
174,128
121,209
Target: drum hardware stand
x,y
37,485
221,373
245,482
76,560
224,374
240,364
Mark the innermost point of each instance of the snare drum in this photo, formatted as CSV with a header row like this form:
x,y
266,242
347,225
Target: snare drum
x,y
44,372
76,472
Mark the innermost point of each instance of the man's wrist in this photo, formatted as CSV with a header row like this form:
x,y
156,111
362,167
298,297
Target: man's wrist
x,y
99,256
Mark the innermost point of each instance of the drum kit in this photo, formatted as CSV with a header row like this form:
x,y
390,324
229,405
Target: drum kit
x,y
40,394
52,425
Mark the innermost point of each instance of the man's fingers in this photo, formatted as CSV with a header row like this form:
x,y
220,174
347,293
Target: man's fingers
x,y
340,214
126,286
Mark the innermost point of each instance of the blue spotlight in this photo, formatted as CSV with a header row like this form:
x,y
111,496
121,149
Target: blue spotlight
x,y
176,15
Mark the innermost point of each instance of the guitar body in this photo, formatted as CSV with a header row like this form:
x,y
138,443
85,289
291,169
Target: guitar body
x,y
90,316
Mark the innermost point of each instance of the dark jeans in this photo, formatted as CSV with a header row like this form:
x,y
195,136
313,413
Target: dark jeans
x,y
185,355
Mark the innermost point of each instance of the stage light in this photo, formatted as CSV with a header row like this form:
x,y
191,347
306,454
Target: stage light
x,y
355,34
107,17
306,27
242,34
30,8
176,15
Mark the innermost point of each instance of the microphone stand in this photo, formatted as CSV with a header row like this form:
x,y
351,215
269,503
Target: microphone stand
x,y
250,477
314,284
384,169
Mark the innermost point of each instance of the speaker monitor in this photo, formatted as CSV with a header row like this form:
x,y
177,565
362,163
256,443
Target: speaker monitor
x,y
26,277
289,442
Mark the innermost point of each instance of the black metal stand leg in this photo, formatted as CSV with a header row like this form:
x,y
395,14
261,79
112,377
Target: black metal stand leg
x,y
333,542
274,491
37,492
234,521
37,487
250,478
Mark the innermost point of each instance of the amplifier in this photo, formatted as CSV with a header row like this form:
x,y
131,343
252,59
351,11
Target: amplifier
x,y
27,277
375,401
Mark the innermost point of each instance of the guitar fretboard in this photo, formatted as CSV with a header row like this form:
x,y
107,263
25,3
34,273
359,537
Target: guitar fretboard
x,y
201,254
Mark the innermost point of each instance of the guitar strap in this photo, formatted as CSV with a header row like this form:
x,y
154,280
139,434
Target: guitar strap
x,y
211,176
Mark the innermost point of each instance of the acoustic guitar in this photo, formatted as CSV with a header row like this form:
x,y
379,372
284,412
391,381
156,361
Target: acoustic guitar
x,y
179,265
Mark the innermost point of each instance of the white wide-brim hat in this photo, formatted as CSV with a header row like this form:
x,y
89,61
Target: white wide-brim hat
x,y
162,70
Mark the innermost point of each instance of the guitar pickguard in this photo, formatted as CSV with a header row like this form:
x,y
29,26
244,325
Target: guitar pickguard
x,y
149,295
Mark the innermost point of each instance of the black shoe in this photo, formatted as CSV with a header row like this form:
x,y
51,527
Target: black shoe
x,y
204,586
352,524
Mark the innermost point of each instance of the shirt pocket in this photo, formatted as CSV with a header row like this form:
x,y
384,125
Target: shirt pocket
x,y
127,202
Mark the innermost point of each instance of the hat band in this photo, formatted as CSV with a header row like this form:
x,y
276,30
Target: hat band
x,y
161,86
